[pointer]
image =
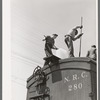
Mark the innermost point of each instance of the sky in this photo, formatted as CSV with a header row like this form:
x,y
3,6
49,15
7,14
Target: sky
x,y
31,20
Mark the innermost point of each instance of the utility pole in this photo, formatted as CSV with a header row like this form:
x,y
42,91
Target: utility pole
x,y
80,38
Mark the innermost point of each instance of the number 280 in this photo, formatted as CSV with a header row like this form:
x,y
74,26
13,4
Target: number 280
x,y
75,87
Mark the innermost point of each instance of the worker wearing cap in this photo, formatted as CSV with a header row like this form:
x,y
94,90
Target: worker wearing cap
x,y
92,52
49,44
70,37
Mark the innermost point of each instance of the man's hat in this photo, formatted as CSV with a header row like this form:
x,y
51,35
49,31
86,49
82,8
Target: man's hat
x,y
55,34
93,46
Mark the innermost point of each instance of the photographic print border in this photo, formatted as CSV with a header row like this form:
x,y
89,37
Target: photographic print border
x,y
98,50
1,49
1,89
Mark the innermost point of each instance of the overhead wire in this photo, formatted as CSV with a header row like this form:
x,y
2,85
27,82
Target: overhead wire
x,y
24,58
18,78
18,83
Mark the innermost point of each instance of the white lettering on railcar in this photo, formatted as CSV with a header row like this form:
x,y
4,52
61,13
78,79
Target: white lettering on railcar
x,y
75,87
75,78
66,79
83,75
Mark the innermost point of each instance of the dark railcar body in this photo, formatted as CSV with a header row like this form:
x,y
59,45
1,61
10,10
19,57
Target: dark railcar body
x,y
67,79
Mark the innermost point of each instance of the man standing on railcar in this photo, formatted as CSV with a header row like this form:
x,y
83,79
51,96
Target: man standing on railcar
x,y
70,37
92,53
49,45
